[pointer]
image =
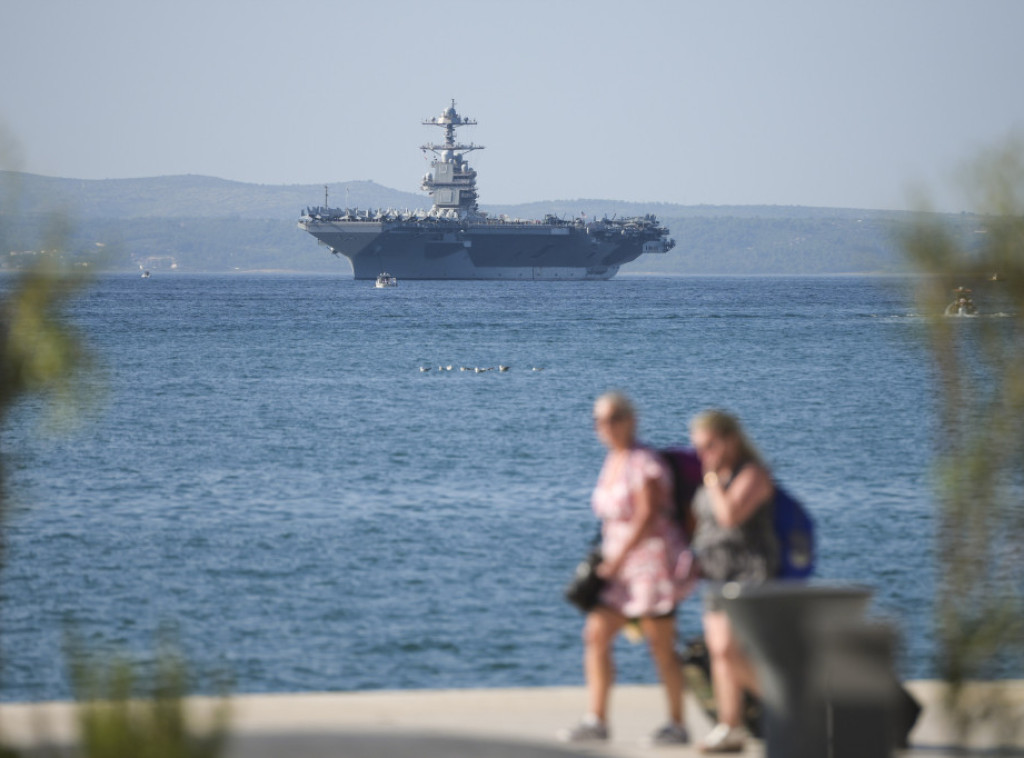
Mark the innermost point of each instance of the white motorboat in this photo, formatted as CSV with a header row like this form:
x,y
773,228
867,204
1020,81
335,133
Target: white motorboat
x,y
963,303
386,280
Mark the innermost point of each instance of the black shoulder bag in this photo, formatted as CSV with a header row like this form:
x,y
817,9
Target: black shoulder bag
x,y
584,589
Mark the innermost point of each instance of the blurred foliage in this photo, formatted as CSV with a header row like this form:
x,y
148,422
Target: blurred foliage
x,y
39,352
123,712
979,364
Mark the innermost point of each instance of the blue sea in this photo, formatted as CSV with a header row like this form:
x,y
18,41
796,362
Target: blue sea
x,y
265,467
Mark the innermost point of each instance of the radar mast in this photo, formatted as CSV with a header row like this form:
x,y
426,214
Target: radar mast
x,y
451,182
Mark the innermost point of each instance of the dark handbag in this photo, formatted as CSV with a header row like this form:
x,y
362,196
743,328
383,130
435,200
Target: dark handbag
x,y
585,588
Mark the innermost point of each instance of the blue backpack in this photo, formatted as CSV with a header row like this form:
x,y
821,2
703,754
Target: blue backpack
x,y
794,530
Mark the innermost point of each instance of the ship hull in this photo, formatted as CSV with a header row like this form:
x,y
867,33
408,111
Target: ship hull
x,y
422,250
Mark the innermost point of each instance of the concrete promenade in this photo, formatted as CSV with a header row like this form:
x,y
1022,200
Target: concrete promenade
x,y
494,723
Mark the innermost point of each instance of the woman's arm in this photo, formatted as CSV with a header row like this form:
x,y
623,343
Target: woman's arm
x,y
644,513
751,487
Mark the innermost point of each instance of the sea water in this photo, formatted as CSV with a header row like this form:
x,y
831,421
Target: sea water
x,y
267,468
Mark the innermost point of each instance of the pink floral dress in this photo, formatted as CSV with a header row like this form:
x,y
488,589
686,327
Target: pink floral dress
x,y
658,572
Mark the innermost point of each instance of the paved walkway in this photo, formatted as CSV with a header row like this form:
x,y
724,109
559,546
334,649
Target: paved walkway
x,y
489,723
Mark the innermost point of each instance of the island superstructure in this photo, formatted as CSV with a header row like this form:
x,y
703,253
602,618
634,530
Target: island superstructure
x,y
456,240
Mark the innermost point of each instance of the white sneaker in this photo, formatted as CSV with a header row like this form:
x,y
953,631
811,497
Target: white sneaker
x,y
725,739
590,729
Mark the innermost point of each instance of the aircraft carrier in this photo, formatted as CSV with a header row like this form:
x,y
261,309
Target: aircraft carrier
x,y
456,240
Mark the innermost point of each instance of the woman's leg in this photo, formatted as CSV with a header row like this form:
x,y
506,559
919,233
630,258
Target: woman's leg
x,y
599,632
731,672
661,639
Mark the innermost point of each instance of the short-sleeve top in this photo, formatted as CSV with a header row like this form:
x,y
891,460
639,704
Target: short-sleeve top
x,y
656,574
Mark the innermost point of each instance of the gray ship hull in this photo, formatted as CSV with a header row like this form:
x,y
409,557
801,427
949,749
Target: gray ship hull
x,y
425,250
455,240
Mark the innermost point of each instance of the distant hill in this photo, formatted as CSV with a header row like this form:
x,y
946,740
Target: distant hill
x,y
198,223
193,197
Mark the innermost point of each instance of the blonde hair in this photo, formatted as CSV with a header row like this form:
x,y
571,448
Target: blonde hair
x,y
726,426
620,405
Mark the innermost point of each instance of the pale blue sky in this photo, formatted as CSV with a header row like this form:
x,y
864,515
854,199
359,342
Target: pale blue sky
x,y
790,103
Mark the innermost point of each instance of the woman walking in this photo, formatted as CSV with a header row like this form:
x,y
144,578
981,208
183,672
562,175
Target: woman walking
x,y
646,565
734,542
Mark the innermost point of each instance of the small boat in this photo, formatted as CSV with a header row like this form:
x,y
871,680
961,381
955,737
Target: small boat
x,y
386,280
962,305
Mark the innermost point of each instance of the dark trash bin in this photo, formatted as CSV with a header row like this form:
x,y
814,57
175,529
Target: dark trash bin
x,y
826,674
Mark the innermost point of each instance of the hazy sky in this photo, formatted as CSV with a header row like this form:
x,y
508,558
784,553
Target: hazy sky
x,y
790,103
